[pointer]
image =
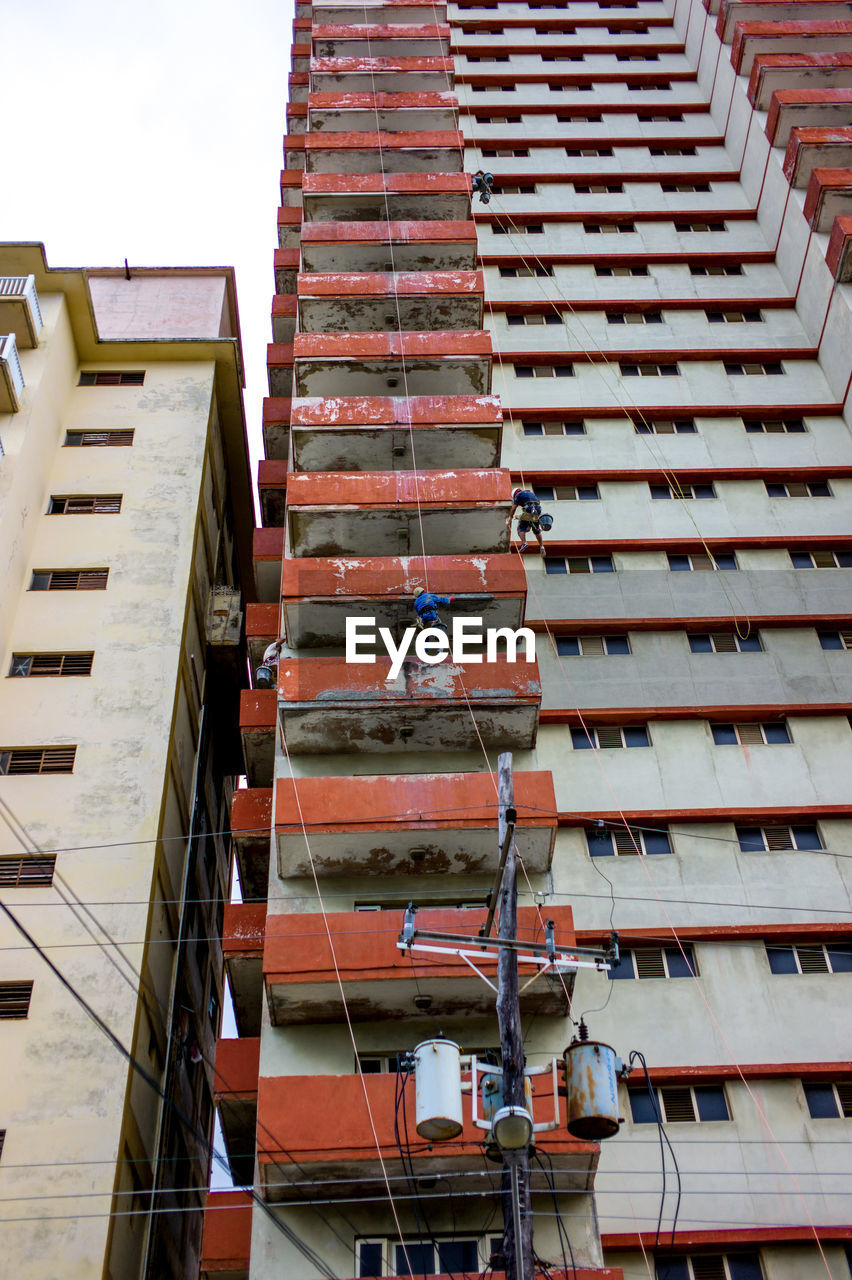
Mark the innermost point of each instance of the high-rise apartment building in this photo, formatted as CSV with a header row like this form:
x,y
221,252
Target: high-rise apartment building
x,y
125,526
648,325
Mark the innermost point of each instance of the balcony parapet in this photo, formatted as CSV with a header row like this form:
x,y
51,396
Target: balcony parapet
x,y
454,361
279,368
387,246
235,1089
300,972
275,420
257,732
732,12
360,112
371,152
20,312
751,38
284,313
267,552
327,705
380,40
378,11
810,149
406,197
263,619
409,824
226,1240
391,513
319,595
384,75
802,108
829,196
286,266
243,934
251,833
369,301
11,375
779,71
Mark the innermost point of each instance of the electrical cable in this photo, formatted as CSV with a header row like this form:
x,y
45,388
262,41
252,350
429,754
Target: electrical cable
x,y
562,1233
652,1093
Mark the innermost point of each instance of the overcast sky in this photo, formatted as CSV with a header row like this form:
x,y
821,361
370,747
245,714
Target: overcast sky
x,y
150,132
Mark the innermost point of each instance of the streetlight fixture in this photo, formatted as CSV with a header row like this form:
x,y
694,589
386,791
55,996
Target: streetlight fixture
x,y
512,1128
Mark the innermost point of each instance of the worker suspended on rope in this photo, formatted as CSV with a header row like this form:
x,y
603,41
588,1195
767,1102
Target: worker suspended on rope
x,y
527,507
426,608
266,676
482,183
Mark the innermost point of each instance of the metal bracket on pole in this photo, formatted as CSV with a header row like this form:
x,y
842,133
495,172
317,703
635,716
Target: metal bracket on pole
x,y
511,819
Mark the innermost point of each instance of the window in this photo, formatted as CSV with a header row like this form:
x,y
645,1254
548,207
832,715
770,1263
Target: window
x,y
681,186
700,226
562,57
37,760
814,958
519,153
553,428
672,151
674,488
724,642
754,368
80,505
419,1257
655,962
702,560
15,999
69,580
587,739
608,228
568,117
567,492
112,379
776,838
592,646
734,317
578,564
27,872
774,426
536,317
649,85
708,1266
598,189
626,842
524,272
634,317
665,427
690,1104
51,664
750,735
98,439
648,370
798,489
829,1101
621,271
835,639
701,269
574,153
821,559
544,370
517,189
638,57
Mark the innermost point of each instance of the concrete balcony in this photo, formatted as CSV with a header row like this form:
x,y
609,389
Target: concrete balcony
x,y
267,551
286,266
753,38
251,833
361,112
275,422
772,72
439,151
450,361
378,11
380,981
387,246
806,108
284,312
829,196
733,11
409,824
839,253
440,197
319,595
398,433
386,513
359,302
392,74
272,489
257,724
327,705
381,40
226,1240
326,1146
289,227
11,375
20,313
242,946
235,1091
810,149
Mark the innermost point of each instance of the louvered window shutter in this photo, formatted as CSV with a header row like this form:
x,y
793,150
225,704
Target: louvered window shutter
x,y
678,1104
649,962
812,959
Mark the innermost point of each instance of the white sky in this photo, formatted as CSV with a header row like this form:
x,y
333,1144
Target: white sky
x,y
150,132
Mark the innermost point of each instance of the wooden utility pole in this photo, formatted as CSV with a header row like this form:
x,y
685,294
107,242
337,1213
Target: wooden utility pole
x,y
511,1041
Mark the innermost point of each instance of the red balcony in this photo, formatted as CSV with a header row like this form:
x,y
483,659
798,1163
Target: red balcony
x,y
235,1090
378,11
267,550
386,40
361,112
257,731
226,1241
392,74
262,620
810,149
829,196
364,432
440,197
319,595
284,311
329,705
286,270
839,253
289,227
381,982
279,368
325,1146
382,513
344,153
242,946
803,108
387,246
409,824
779,71
272,488
449,361
362,301
276,426
777,11
251,828
751,38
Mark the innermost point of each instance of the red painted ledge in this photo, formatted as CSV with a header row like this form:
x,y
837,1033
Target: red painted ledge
x,y
226,1241
712,1240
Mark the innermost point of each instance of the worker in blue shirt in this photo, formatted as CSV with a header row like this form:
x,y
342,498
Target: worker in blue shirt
x,y
527,507
426,608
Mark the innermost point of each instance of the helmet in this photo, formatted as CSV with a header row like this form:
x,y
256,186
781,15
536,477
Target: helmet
x,y
418,591
515,493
